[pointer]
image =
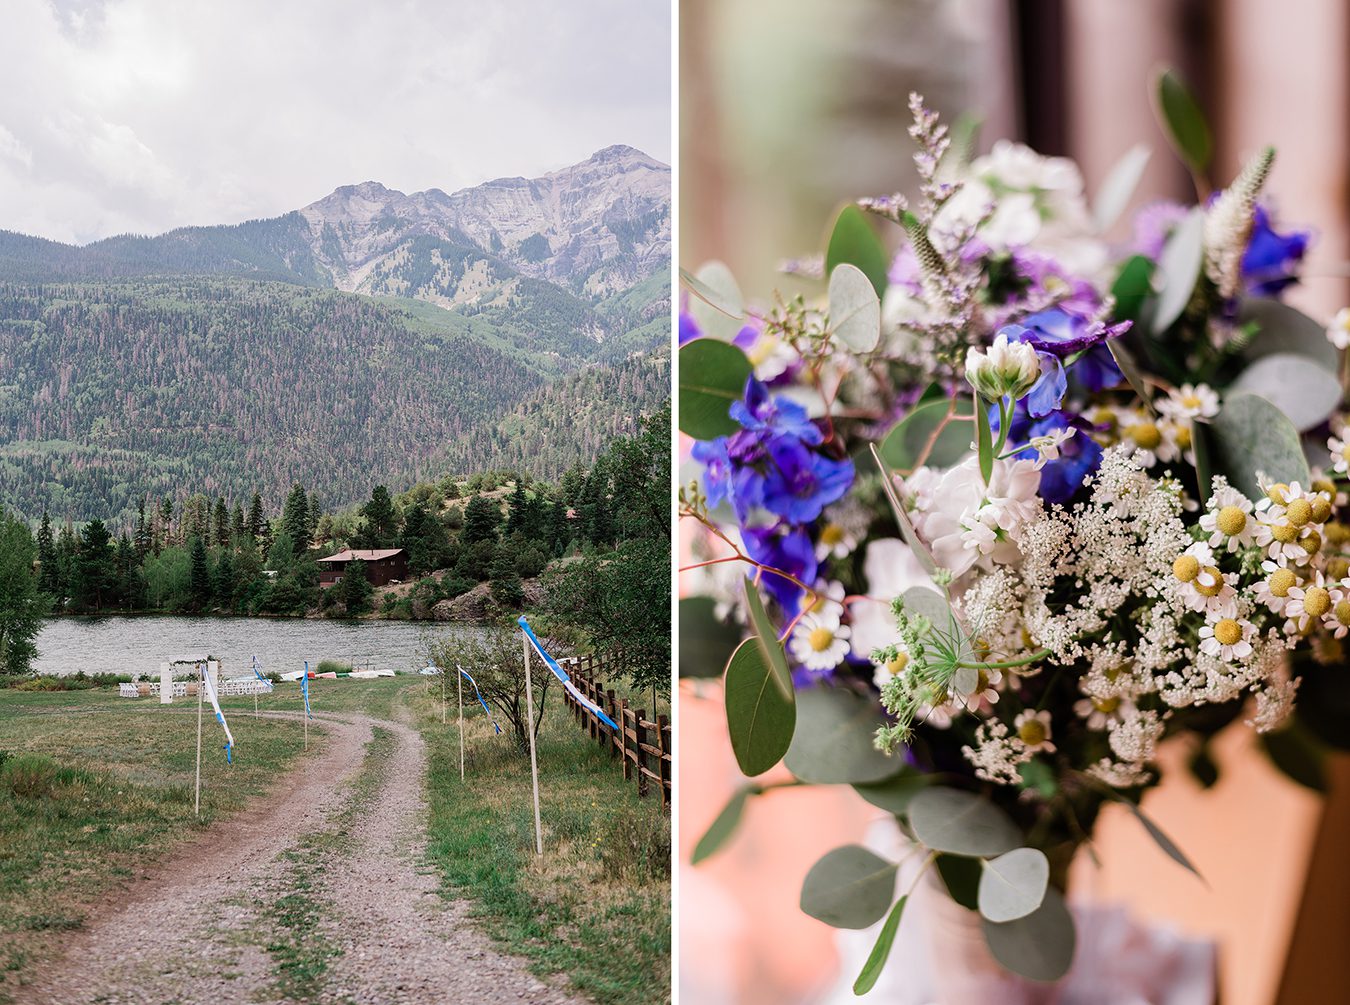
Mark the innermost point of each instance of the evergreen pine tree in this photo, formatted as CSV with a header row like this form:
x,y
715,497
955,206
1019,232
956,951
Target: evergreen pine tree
x,y
221,523
199,577
515,512
49,570
295,519
166,521
481,517
255,517
143,536
223,580
237,526
95,568
381,519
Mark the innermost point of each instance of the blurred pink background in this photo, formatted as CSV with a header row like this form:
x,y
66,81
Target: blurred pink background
x,y
787,109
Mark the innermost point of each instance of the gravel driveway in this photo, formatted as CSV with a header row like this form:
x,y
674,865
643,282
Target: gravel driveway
x,y
318,895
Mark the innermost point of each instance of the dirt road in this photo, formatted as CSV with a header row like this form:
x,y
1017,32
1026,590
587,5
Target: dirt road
x,y
319,894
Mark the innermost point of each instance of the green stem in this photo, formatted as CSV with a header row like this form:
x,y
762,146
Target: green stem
x,y
1003,423
1033,658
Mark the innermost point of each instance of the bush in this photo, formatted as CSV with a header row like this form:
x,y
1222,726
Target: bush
x,y
637,844
333,666
28,776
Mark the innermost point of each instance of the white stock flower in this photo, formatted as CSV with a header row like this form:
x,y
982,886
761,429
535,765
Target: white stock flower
x,y
1005,368
963,520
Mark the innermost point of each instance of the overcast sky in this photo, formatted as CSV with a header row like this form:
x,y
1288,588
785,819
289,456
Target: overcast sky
x,y
144,115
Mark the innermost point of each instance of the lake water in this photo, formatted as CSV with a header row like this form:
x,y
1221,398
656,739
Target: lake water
x,y
139,645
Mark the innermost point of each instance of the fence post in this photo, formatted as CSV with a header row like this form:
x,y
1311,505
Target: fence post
x,y
612,709
641,738
663,764
623,738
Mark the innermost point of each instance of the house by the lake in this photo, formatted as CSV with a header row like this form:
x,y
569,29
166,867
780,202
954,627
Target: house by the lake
x,y
383,565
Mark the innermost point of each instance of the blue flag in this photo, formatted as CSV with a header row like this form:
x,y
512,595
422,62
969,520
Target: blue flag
x,y
304,688
561,674
466,676
260,677
214,699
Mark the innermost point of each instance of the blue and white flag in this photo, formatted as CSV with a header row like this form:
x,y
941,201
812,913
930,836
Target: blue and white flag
x,y
561,674
304,688
220,716
259,675
465,674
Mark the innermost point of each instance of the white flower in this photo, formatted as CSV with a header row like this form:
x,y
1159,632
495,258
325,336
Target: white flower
x,y
1273,591
1227,639
883,672
1211,592
1047,446
829,603
890,568
1339,446
1229,519
985,689
819,643
962,519
1190,401
1306,603
1033,729
1338,332
835,542
1337,619
1101,712
1006,368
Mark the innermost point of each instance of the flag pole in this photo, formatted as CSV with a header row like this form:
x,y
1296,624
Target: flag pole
x,y
443,671
197,797
459,679
529,729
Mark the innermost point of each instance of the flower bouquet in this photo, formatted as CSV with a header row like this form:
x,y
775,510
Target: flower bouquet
x,y
1006,508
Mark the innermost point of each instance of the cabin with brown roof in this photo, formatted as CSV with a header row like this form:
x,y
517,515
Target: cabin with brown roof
x,y
383,565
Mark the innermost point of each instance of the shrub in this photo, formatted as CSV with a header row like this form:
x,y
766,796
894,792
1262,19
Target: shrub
x,y
333,666
28,776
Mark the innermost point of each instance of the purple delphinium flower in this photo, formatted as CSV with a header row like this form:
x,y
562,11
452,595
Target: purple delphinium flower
x,y
788,549
1057,334
1271,260
689,329
1153,225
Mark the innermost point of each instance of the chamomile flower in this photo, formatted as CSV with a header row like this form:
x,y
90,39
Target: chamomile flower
x,y
1337,619
829,603
1147,438
1190,401
1228,639
985,689
1338,332
835,542
1098,713
1307,603
1229,520
1033,729
1339,446
819,642
1204,588
883,672
1273,590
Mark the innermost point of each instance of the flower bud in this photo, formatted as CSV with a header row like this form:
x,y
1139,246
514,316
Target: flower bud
x,y
1004,369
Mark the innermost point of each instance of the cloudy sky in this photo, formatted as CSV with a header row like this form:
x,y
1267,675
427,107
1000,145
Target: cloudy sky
x,y
143,115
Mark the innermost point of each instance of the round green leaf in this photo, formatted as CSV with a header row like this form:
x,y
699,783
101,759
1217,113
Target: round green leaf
x,y
833,744
1013,885
1304,390
712,376
1179,269
853,241
760,717
716,302
849,888
1040,946
894,794
1284,329
724,826
1249,435
1183,121
962,823
855,310
905,443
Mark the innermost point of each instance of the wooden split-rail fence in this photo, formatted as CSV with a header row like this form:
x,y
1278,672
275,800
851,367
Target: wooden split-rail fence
x,y
641,745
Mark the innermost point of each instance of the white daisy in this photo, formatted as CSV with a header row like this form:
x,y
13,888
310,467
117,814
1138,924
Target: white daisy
x,y
1033,729
835,542
1273,590
1227,639
829,603
819,643
1306,603
1229,520
1210,592
986,683
1338,332
1101,712
1337,619
1190,401
1339,446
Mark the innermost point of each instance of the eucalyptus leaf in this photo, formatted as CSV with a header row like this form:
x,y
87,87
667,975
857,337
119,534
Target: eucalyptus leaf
x,y
833,744
903,446
1040,946
932,605
855,310
1132,288
965,680
1249,435
1130,369
1299,754
712,376
961,875
1282,329
849,888
1183,121
1014,884
760,718
907,531
961,823
1179,269
1115,192
1304,390
767,636
881,951
854,242
1164,842
724,826
894,794
717,305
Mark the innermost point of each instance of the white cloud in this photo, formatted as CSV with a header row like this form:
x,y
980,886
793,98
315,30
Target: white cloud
x,y
144,115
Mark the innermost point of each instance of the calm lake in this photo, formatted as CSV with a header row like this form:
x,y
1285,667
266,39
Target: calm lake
x,y
140,644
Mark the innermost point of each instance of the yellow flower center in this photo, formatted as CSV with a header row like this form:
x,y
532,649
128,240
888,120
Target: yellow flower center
x,y
1325,485
1032,732
1284,533
1183,437
1231,520
1228,632
832,534
1299,512
1316,601
1321,509
898,664
1145,434
1190,401
1105,417
1209,582
1186,568
1337,532
1106,705
1342,611
1338,567
1275,493
1312,542
1280,582
820,639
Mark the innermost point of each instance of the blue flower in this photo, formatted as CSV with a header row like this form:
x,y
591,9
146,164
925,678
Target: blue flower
x,y
799,483
779,416
688,328
788,549
1270,262
1057,334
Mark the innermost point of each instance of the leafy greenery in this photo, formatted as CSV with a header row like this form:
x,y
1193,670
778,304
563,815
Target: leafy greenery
x,y
22,606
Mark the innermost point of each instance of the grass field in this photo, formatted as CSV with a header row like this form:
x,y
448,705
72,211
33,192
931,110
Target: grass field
x,y
90,785
92,781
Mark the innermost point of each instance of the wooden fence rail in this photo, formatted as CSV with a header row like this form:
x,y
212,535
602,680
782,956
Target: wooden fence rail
x,y
641,745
